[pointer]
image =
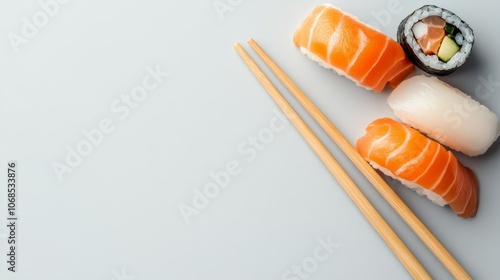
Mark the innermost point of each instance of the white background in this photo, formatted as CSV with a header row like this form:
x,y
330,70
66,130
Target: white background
x,y
116,215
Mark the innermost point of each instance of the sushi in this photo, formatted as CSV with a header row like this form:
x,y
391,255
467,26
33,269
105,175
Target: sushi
x,y
445,114
435,39
338,41
421,164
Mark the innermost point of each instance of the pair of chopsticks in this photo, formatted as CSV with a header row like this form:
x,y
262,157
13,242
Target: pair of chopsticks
x,y
388,235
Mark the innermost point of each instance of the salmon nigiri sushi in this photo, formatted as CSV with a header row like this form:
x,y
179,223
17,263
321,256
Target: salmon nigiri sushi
x,y
340,42
421,164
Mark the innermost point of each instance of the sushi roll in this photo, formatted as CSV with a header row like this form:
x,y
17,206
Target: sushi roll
x,y
421,164
341,42
445,114
435,39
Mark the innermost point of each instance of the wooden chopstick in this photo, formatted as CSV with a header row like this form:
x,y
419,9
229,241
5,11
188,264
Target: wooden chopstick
x,y
383,188
398,247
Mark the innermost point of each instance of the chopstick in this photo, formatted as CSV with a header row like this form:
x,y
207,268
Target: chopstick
x,y
385,231
383,188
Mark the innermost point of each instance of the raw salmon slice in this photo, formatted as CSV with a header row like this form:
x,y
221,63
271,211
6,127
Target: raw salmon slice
x,y
420,163
341,42
431,41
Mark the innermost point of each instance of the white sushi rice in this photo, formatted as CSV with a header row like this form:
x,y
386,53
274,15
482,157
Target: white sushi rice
x,y
459,38
432,196
432,60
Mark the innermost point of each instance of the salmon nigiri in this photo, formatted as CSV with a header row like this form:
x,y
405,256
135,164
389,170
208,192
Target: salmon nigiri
x,y
341,42
421,164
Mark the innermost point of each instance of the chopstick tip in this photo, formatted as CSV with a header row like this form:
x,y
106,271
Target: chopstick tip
x,y
238,47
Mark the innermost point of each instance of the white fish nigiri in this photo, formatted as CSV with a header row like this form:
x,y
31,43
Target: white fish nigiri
x,y
445,114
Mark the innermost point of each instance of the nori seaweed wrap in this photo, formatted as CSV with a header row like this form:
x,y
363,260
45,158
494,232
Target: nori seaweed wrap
x,y
435,39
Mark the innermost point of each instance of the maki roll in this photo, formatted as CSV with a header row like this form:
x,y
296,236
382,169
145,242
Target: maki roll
x,y
435,39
